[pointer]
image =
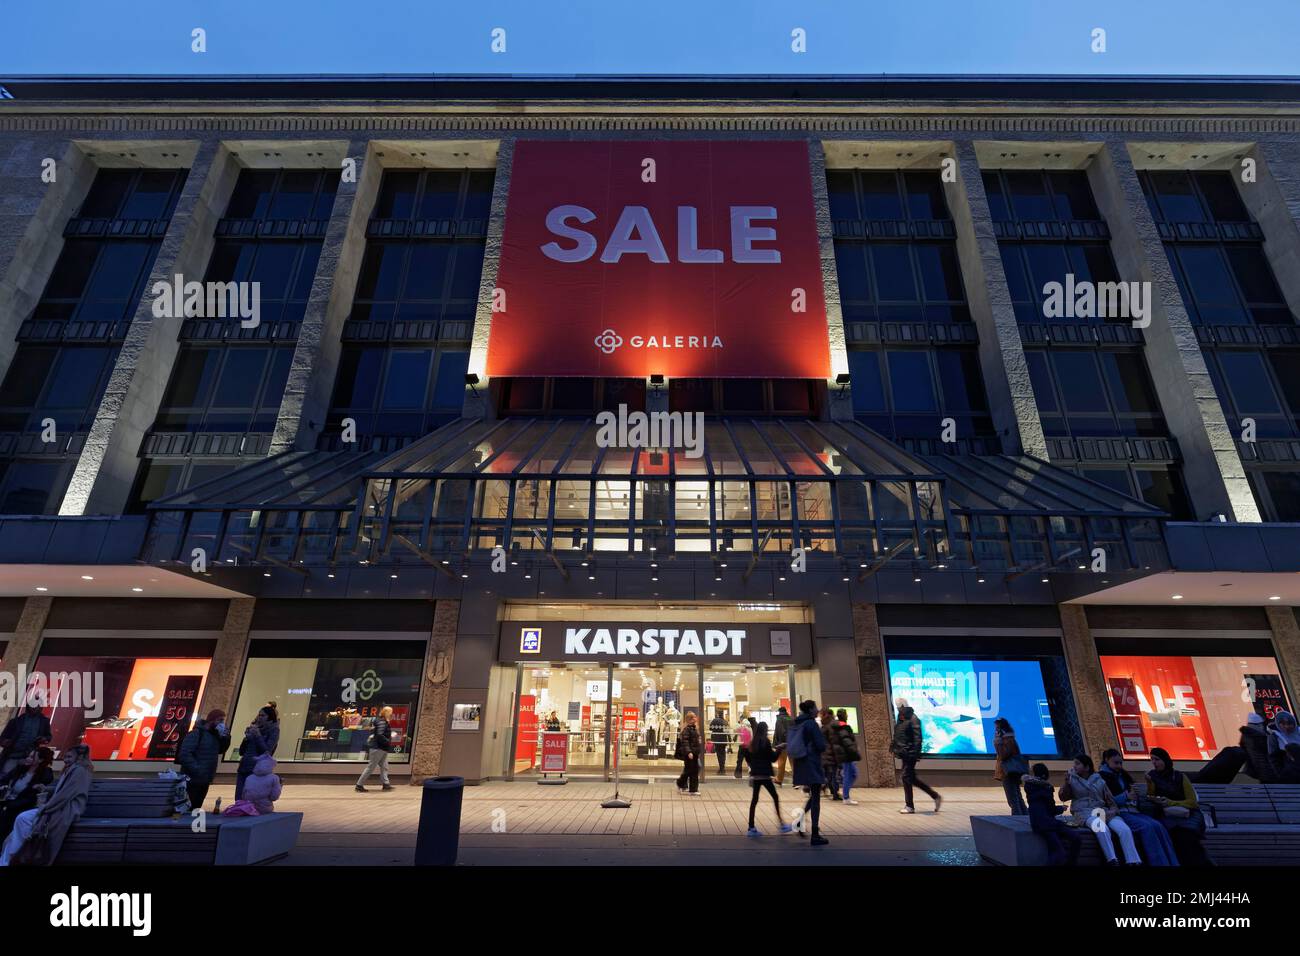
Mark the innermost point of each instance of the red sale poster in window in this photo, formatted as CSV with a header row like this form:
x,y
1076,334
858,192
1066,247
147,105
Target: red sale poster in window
x,y
688,259
526,743
555,752
1170,703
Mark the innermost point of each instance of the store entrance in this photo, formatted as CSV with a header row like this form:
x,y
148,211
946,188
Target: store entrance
x,y
629,715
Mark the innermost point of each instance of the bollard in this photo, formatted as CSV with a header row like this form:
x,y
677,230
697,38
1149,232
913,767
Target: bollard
x,y
438,839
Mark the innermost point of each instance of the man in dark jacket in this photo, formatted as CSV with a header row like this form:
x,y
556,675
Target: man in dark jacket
x,y
719,736
22,735
808,764
906,746
778,741
200,752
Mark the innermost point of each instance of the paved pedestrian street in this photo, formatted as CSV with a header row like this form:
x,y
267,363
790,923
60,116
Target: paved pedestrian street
x,y
521,822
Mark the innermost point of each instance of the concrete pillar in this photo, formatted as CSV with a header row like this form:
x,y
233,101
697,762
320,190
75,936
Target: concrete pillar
x,y
1002,358
101,483
228,659
1091,695
476,400
840,404
1286,647
32,219
1274,201
433,718
310,383
1212,469
23,647
876,708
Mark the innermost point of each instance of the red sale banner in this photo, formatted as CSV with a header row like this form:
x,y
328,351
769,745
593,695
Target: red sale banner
x,y
555,752
688,259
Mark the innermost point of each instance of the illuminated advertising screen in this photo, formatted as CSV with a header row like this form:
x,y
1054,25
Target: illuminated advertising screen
x,y
690,259
958,700
1191,706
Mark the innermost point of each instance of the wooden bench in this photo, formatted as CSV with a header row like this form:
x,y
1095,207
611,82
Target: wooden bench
x,y
134,822
1258,825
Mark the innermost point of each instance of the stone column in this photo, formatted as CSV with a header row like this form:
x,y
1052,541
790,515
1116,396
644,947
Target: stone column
x,y
432,719
840,402
1274,201
1002,358
23,647
1091,695
477,404
877,711
101,483
310,383
228,659
1286,646
1216,480
32,220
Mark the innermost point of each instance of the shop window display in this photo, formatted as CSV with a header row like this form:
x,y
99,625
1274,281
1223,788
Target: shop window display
x,y
139,707
1192,706
327,705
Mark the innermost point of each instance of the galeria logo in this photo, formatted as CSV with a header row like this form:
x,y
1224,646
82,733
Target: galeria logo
x,y
608,341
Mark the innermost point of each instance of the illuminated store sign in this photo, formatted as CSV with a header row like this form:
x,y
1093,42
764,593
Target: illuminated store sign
x,y
689,259
631,642
634,642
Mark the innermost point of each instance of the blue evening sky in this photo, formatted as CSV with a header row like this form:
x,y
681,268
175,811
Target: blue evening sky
x,y
1205,37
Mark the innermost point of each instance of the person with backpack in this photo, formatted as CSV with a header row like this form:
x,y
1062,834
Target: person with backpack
x,y
1011,765
905,744
805,743
760,755
381,744
689,750
778,741
846,753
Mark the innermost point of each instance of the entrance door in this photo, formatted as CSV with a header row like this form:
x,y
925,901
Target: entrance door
x,y
653,703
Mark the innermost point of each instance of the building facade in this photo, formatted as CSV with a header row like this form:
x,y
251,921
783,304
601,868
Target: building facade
x,y
546,412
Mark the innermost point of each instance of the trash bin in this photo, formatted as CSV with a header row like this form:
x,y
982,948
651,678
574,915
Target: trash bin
x,y
438,839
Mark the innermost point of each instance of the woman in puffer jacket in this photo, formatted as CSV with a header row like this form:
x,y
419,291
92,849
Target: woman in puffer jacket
x,y
263,787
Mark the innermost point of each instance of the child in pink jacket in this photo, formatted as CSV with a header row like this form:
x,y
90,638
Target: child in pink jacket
x,y
263,788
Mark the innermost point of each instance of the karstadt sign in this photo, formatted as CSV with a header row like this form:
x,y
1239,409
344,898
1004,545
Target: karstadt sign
x,y
649,642
689,259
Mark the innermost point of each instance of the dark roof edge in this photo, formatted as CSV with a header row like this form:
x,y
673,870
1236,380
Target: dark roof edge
x,y
662,87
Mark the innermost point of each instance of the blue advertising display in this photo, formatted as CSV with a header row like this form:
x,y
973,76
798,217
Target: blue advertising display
x,y
957,702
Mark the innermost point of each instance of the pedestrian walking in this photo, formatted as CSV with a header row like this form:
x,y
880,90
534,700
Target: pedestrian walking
x,y
200,752
778,741
1011,765
689,748
380,743
760,757
806,744
719,737
744,736
830,764
847,754
906,745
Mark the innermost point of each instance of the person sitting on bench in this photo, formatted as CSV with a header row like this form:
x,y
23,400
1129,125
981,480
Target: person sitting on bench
x,y
1063,842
